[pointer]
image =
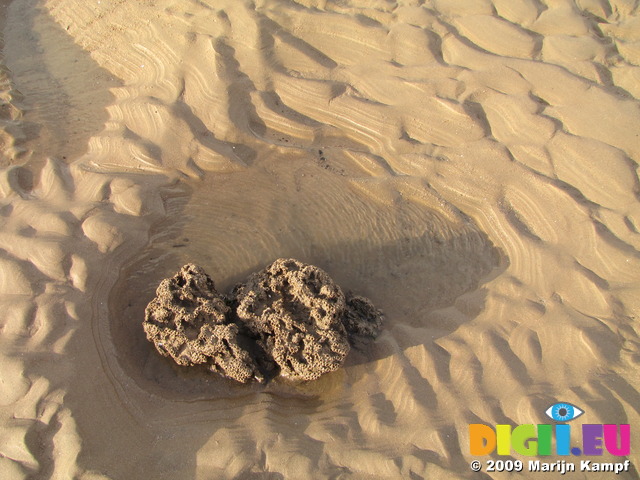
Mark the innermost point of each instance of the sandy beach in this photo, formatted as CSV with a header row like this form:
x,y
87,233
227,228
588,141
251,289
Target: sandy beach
x,y
471,166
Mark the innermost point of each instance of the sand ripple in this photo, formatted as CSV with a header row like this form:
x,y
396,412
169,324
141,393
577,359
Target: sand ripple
x,y
471,166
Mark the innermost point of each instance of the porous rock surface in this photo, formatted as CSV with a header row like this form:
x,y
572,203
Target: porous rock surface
x,y
361,318
188,321
289,319
295,311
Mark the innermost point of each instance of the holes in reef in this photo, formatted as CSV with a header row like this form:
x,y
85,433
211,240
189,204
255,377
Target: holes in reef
x,y
406,257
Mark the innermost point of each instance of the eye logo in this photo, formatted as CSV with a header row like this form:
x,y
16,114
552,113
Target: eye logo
x,y
563,412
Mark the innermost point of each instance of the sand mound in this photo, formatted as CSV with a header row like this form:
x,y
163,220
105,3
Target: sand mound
x,y
295,316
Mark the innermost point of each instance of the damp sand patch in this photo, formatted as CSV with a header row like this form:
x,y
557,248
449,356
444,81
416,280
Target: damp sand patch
x,y
409,254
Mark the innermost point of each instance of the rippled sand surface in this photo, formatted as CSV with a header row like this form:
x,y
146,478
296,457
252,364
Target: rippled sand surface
x,y
469,165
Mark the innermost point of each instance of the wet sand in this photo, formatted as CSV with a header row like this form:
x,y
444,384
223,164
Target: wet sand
x,y
469,166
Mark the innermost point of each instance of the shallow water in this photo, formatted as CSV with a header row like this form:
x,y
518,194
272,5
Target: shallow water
x,y
411,258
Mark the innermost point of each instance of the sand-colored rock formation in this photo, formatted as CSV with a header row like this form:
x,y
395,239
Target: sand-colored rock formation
x,y
290,319
361,318
296,312
187,321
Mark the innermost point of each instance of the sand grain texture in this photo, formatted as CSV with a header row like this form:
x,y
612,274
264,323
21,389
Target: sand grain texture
x,y
470,166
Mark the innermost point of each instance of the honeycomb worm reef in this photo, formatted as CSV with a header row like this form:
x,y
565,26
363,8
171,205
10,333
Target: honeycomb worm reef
x,y
290,319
